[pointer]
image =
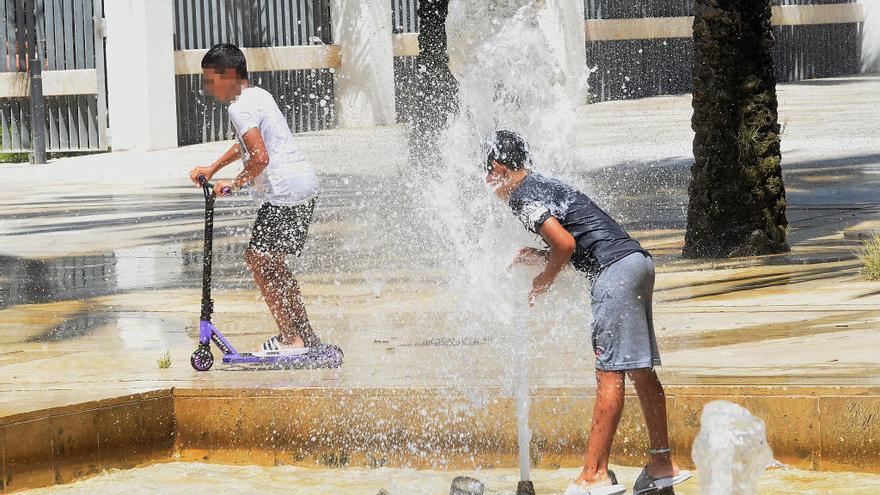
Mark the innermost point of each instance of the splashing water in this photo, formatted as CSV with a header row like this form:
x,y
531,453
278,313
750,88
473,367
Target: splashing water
x,y
508,79
731,451
512,74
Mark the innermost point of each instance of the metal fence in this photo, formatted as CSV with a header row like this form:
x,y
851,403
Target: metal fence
x,y
626,69
304,96
404,16
809,52
406,20
73,122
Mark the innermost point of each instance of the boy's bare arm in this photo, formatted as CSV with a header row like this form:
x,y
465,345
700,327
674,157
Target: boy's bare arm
x,y
530,256
562,246
257,162
231,155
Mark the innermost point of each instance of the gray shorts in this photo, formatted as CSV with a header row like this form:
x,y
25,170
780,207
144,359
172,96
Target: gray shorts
x,y
623,326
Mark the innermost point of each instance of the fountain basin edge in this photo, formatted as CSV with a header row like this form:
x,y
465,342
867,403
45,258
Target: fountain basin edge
x,y
820,428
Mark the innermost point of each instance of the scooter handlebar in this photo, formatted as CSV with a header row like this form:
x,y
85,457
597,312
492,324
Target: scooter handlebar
x,y
203,181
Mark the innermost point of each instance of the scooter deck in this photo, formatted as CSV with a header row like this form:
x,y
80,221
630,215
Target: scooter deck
x,y
202,359
325,356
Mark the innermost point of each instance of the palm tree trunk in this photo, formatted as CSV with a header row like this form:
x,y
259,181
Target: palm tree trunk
x,y
737,196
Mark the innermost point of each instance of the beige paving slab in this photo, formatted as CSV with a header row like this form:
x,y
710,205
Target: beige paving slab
x,y
102,256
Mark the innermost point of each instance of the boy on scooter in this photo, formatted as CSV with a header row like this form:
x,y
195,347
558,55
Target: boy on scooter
x,y
283,184
578,232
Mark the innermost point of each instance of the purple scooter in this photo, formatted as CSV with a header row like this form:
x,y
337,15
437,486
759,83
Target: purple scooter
x,y
320,356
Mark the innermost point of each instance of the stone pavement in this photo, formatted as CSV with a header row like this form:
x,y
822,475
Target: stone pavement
x,y
100,266
206,478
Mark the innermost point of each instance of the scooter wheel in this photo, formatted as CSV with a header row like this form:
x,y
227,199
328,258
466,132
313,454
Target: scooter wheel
x,y
202,359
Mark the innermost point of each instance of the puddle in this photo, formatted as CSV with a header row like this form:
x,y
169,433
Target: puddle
x,y
78,325
168,253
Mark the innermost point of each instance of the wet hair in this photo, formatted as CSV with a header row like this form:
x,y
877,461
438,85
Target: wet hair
x,y
224,56
508,149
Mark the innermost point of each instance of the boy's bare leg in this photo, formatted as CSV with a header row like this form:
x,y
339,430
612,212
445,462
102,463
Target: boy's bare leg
x,y
270,279
653,401
606,416
300,329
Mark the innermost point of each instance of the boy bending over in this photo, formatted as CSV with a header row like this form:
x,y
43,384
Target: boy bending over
x,y
578,232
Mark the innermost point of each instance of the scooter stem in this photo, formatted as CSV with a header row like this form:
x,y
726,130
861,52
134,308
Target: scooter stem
x,y
207,302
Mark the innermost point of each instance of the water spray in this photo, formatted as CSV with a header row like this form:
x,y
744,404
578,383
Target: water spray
x,y
523,435
731,451
516,71
523,432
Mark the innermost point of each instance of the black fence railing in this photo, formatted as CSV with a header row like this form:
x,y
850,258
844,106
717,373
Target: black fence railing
x,y
404,16
626,69
611,9
823,50
405,20
67,32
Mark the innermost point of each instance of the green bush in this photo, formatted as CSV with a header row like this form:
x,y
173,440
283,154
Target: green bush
x,y
870,255
12,157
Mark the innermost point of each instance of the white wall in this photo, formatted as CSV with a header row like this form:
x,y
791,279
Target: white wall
x,y
140,74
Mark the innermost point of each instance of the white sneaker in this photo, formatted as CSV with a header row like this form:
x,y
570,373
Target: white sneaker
x,y
612,489
575,489
274,348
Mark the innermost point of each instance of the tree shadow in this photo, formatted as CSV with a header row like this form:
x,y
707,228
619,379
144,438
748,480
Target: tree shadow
x,y
766,332
840,81
755,281
825,196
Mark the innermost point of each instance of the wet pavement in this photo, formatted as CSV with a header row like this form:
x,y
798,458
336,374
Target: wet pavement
x,y
100,263
205,478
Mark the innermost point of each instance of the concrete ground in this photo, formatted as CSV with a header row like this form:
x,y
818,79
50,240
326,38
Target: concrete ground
x,y
100,266
204,478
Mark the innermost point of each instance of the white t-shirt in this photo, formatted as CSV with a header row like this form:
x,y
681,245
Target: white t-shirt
x,y
288,180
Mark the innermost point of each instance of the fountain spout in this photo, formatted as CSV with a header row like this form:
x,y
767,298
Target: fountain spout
x,y
464,485
525,488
